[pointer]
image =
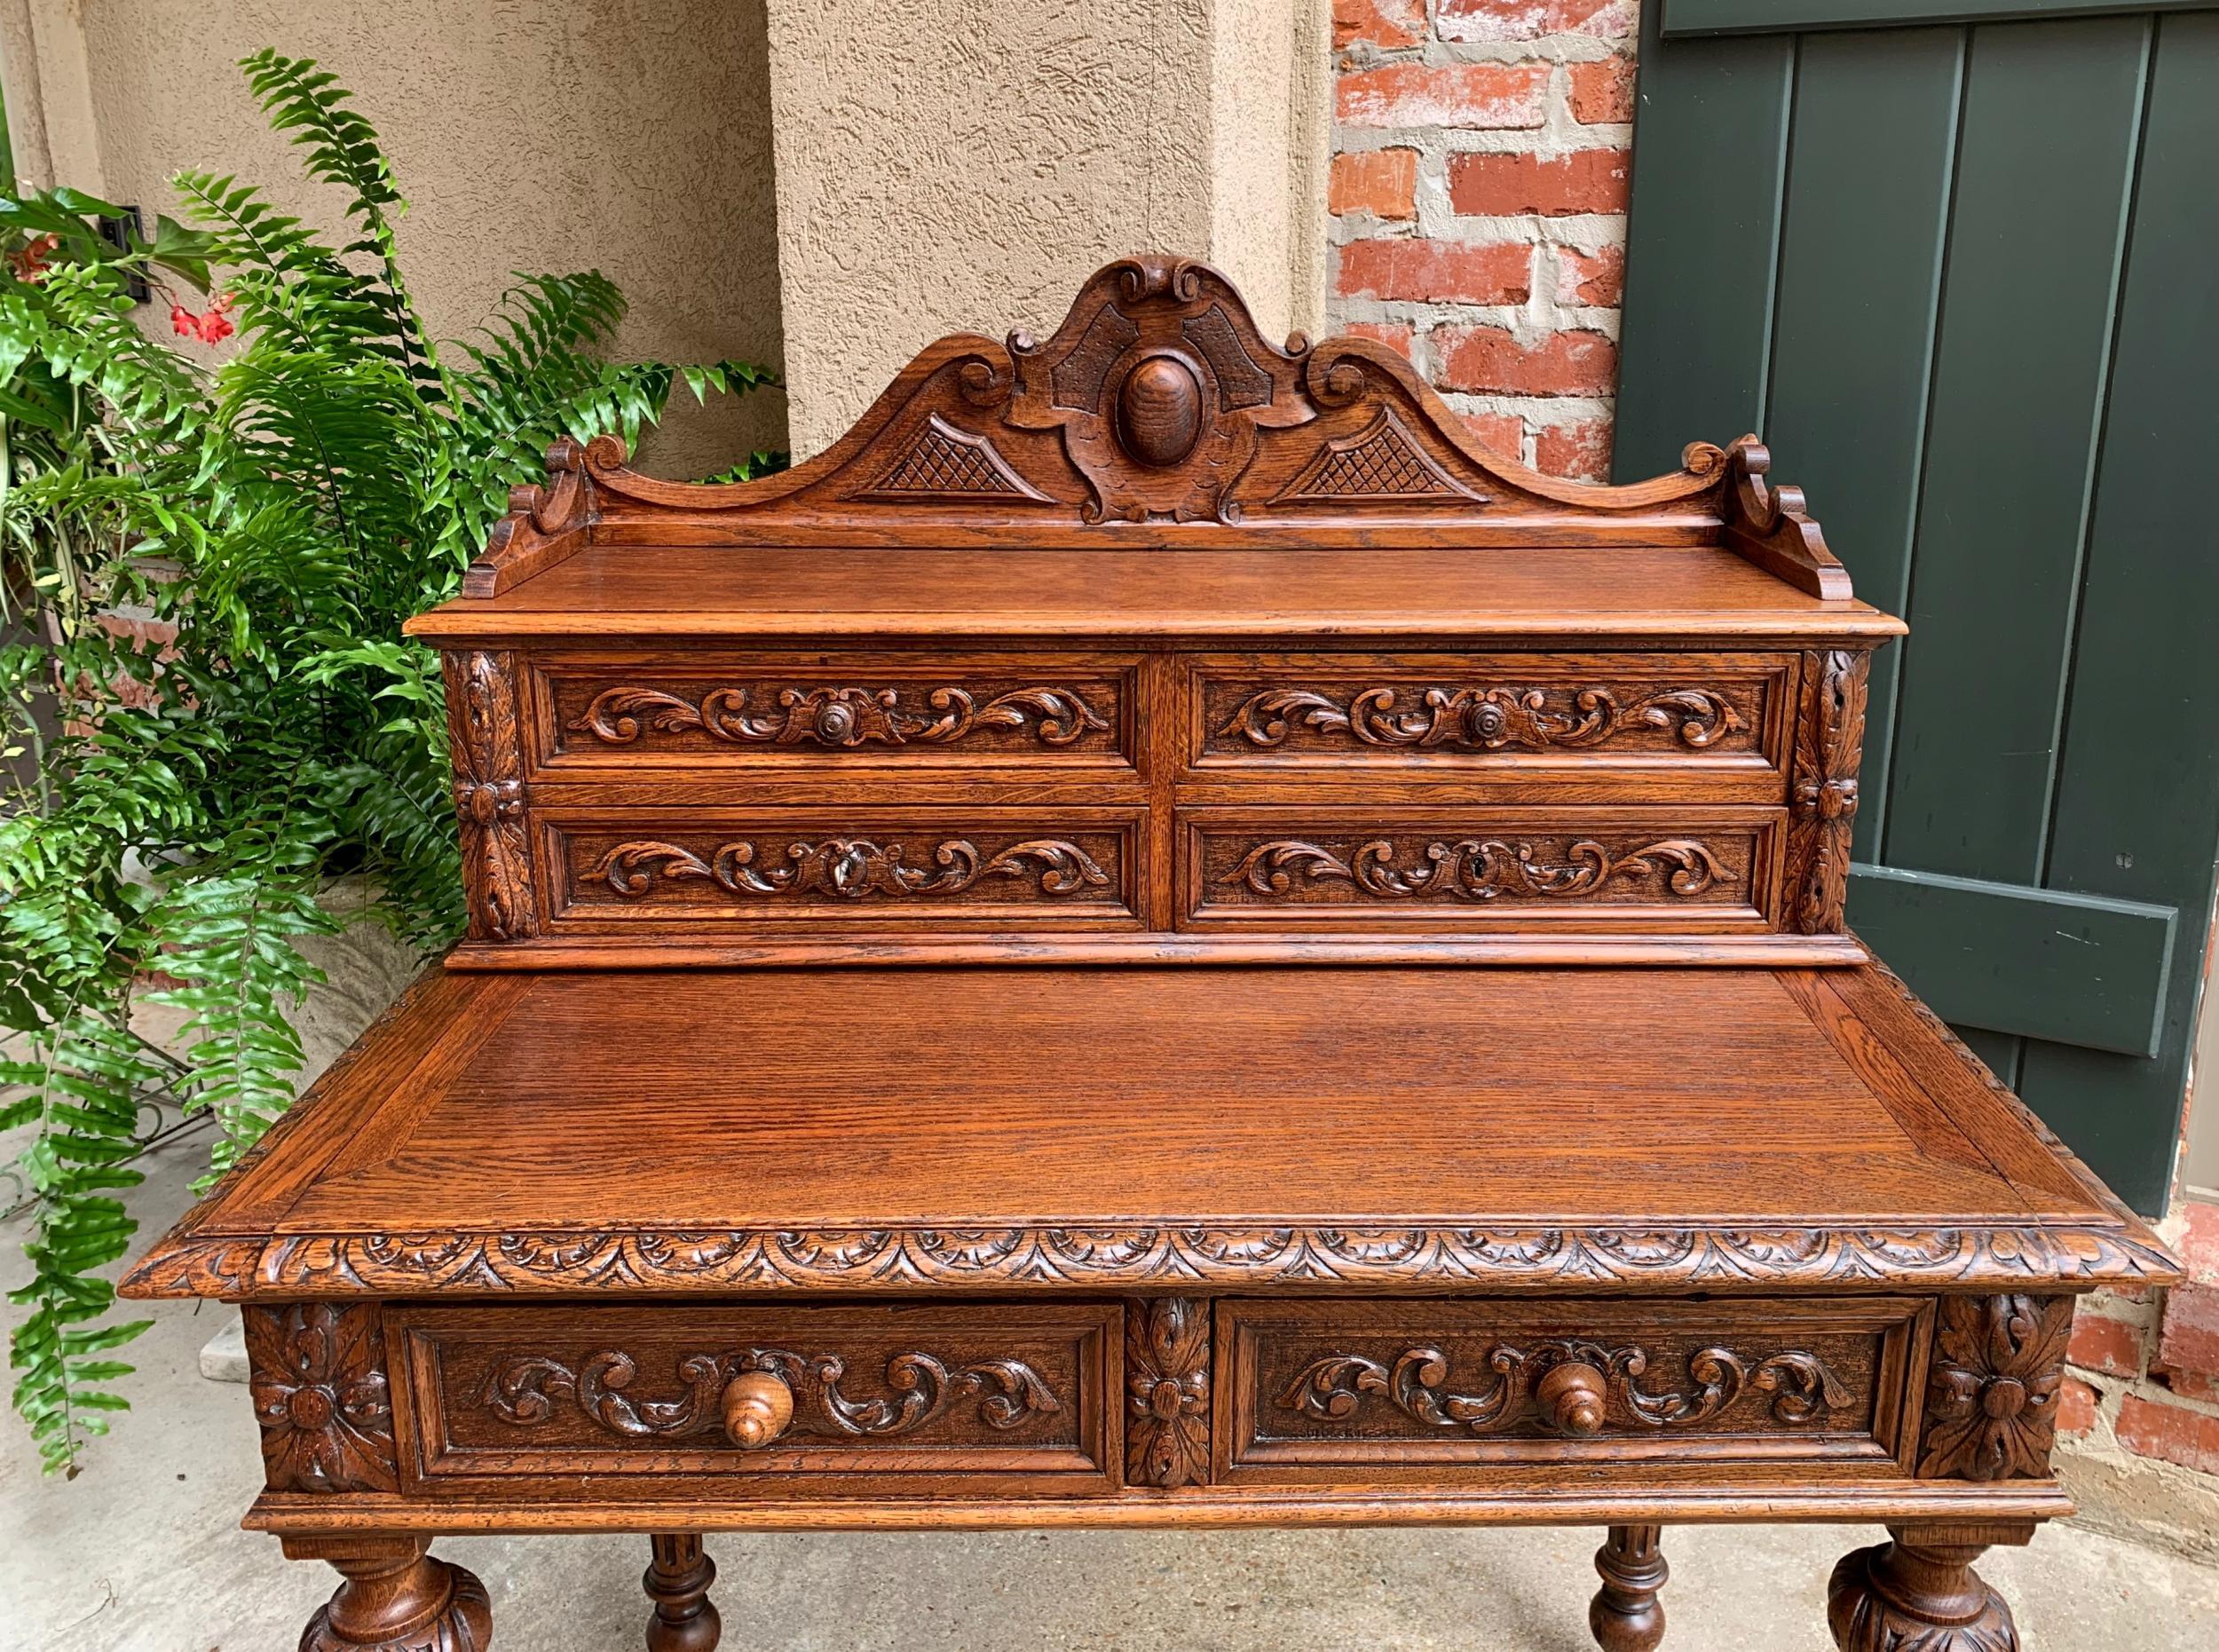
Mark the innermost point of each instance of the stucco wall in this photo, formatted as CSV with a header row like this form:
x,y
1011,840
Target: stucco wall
x,y
633,136
965,166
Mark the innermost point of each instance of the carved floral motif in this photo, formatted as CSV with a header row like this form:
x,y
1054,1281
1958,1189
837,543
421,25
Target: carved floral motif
x,y
488,756
525,1390
841,717
319,1395
1484,719
1167,1392
1991,1392
852,868
1332,1387
1823,806
1475,869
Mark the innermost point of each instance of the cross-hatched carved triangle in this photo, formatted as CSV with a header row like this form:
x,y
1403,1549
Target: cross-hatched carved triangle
x,y
1380,462
945,463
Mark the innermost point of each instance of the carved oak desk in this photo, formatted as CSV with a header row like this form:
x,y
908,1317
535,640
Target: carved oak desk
x,y
1156,938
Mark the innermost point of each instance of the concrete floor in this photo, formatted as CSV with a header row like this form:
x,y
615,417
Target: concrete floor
x,y
142,1553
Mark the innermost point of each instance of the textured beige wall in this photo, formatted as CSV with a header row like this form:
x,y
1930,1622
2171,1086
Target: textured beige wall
x,y
965,164
633,136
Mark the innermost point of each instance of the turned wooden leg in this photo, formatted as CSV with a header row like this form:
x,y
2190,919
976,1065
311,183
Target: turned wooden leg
x,y
678,1582
1625,1616
1921,1592
396,1598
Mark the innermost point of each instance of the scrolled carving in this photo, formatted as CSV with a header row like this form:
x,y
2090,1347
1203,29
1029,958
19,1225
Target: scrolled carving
x,y
851,869
841,717
527,1389
1991,1391
1822,803
321,1397
486,741
1484,719
1167,1392
1415,1382
1476,869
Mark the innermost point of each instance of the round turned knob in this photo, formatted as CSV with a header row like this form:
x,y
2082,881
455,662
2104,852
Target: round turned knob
x,y
757,1408
1571,1398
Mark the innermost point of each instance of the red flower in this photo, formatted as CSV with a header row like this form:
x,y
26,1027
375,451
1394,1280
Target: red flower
x,y
30,261
184,320
216,327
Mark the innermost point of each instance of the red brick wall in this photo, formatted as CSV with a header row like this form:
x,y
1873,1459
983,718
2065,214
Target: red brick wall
x,y
1478,198
2144,1366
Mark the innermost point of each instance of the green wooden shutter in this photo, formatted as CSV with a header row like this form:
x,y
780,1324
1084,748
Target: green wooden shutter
x,y
1964,278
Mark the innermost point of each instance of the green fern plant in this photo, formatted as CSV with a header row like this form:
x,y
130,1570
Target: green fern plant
x,y
208,707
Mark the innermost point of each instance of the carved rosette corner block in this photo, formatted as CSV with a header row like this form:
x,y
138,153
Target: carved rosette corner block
x,y
1167,1392
1991,1389
1822,815
395,1598
1917,1593
485,734
320,1395
1159,383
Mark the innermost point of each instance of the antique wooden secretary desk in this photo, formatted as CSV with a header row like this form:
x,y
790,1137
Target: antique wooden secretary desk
x,y
1156,938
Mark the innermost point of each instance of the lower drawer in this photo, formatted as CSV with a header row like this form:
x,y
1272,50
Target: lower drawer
x,y
1344,1393
874,1399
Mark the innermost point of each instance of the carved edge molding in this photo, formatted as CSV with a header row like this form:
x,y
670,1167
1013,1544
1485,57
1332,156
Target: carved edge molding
x,y
485,734
524,1390
1992,1390
321,1397
1334,1387
1829,749
1016,1258
1167,1392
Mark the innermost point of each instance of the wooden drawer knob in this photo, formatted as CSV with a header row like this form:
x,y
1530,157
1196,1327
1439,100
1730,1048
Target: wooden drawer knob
x,y
1571,1398
757,1407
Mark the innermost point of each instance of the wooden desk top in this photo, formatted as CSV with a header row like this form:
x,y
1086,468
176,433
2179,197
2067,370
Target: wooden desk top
x,y
1392,1128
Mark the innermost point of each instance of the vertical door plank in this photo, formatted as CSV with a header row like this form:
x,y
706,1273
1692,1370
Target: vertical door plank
x,y
2051,119
1710,142
1867,204
2137,807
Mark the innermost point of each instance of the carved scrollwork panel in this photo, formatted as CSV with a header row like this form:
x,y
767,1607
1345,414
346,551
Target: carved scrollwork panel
x,y
920,1387
844,716
321,1397
1476,718
1247,869
772,871
1500,1395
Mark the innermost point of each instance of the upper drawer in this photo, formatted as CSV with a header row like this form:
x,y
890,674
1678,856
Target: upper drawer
x,y
1558,718
1343,1392
871,1397
609,710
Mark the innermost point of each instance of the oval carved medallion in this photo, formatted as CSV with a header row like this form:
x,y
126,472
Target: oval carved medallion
x,y
1159,411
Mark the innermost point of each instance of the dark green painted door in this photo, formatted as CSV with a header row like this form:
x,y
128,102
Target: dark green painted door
x,y
1964,279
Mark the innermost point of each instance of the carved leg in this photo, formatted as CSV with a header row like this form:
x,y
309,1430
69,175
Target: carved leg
x,y
678,1582
1625,1616
396,1598
1919,1593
